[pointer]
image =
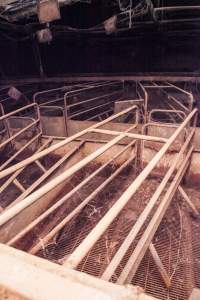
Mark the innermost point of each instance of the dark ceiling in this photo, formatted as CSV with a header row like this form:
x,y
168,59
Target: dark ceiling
x,y
89,15
154,36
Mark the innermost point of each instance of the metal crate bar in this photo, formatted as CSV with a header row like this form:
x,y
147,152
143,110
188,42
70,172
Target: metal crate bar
x,y
81,251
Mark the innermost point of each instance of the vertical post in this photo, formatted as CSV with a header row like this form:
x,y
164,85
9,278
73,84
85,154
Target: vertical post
x,y
38,58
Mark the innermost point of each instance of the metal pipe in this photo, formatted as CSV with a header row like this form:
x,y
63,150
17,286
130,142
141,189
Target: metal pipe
x,y
145,101
144,215
143,244
67,197
20,150
92,99
17,111
56,229
63,88
76,257
176,8
190,95
13,176
19,133
40,180
89,109
13,211
77,92
100,114
61,144
188,201
180,113
160,266
131,135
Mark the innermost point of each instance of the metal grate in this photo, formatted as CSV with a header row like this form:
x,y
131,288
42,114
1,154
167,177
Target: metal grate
x,y
80,226
176,239
173,244
101,254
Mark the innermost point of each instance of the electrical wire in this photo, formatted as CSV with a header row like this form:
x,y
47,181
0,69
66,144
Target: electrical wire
x,y
128,12
14,39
